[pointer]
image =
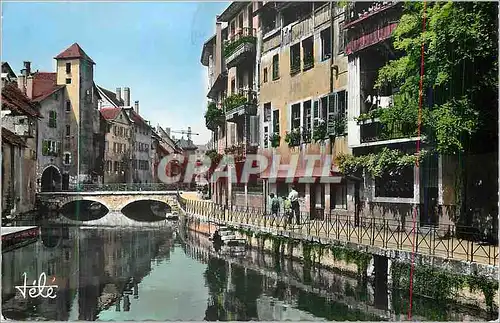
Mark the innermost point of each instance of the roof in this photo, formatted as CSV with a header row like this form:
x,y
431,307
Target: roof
x,y
48,94
12,138
186,144
16,101
7,69
74,51
207,48
110,113
111,96
135,117
231,11
44,84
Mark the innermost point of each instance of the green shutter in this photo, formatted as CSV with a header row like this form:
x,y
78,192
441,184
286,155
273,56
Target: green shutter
x,y
45,147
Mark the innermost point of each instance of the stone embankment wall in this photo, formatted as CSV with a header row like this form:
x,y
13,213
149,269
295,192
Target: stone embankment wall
x,y
467,283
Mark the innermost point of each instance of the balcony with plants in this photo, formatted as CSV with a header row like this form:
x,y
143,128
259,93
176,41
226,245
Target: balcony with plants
x,y
240,104
240,46
240,151
214,117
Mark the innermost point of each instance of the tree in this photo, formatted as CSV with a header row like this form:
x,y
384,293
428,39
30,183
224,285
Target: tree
x,y
459,113
460,73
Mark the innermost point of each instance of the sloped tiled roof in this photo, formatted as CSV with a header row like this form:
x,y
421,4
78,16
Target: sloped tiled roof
x,y
12,138
110,113
7,69
44,84
46,95
111,96
186,144
137,118
15,100
74,51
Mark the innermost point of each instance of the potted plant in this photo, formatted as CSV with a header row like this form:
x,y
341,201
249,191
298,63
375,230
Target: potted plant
x,y
275,140
292,138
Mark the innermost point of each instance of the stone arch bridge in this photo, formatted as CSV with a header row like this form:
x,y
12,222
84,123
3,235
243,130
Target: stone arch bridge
x,y
114,201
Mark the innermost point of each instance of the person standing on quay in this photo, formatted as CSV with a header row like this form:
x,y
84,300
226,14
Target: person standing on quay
x,y
294,200
275,207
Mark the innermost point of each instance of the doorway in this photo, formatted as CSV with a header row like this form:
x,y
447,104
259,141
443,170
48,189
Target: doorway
x,y
51,179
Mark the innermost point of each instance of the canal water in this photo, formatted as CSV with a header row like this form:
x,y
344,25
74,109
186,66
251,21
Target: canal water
x,y
171,274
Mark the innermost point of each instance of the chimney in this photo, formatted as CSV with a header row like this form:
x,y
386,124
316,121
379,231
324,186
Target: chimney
x,y
119,93
126,96
218,48
21,79
136,107
27,67
29,87
167,131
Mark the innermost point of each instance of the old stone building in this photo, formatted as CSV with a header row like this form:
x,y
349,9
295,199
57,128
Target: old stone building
x,y
19,141
303,99
141,155
119,139
75,70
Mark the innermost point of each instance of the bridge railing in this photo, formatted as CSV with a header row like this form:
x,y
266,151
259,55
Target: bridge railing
x,y
128,187
445,241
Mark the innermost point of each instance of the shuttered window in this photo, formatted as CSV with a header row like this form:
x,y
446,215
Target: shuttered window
x,y
51,148
52,119
254,130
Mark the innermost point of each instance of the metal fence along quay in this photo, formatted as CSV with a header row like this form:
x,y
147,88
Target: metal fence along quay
x,y
444,241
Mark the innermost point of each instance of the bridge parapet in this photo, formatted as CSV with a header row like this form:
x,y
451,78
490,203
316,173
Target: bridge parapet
x,y
115,201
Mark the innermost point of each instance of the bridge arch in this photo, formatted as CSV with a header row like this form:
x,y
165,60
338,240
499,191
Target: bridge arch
x,y
163,199
88,198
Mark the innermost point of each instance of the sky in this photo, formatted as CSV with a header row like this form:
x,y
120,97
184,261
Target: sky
x,y
152,47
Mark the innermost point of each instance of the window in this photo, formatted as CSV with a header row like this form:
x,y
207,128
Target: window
x,y
276,67
276,121
265,74
397,184
108,166
68,106
233,86
68,68
308,50
338,196
68,131
115,147
326,44
295,122
67,158
116,166
267,112
51,148
342,38
295,59
52,119
306,134
68,81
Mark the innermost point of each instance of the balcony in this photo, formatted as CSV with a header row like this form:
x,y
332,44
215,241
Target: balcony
x,y
240,151
369,24
240,104
240,46
372,131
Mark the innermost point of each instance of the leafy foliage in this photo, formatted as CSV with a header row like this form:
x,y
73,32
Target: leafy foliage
x,y
214,116
275,139
320,131
461,72
231,46
376,164
292,138
233,101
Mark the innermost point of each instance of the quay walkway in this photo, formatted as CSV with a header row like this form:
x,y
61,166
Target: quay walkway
x,y
442,242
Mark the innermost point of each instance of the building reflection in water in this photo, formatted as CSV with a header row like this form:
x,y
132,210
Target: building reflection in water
x,y
94,270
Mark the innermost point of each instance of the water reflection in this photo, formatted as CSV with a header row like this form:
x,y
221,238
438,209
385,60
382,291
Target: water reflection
x,y
152,275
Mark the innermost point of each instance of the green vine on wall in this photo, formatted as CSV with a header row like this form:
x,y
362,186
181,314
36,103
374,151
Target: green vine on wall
x,y
441,284
376,164
351,256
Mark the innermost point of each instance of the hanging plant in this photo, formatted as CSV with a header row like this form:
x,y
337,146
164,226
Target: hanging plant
x,y
214,117
275,139
320,130
292,138
306,135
